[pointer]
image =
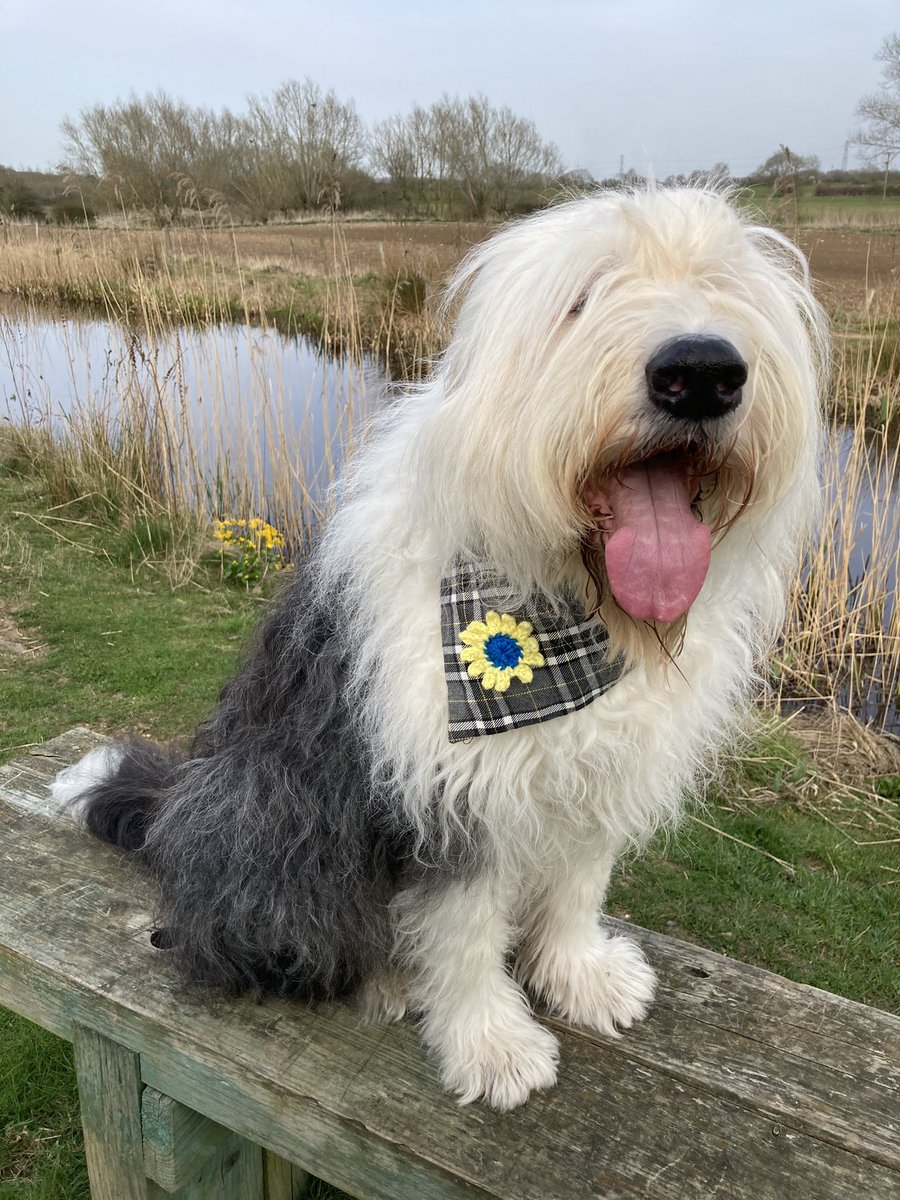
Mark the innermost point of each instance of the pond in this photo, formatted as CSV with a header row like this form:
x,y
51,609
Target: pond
x,y
270,419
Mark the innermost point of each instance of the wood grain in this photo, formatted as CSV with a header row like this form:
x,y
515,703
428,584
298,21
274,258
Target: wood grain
x,y
233,1173
281,1179
740,1085
109,1093
178,1141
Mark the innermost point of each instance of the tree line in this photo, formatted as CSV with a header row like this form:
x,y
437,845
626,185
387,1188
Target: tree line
x,y
301,149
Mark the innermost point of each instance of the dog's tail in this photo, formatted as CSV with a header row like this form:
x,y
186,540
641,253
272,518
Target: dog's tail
x,y
114,791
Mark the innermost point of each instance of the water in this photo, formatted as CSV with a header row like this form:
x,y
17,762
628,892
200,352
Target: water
x,y
266,415
270,419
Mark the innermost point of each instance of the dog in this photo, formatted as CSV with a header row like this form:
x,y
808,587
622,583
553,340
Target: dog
x,y
537,611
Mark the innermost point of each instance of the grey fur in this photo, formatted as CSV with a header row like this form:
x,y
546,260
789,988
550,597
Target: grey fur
x,y
277,854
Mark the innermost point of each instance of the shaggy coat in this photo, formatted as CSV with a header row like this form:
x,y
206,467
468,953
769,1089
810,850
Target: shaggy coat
x,y
323,836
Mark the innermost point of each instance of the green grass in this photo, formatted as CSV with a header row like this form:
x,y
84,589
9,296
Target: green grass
x,y
831,923
857,212
115,648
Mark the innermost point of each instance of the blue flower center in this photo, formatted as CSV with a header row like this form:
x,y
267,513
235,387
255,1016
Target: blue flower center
x,y
501,650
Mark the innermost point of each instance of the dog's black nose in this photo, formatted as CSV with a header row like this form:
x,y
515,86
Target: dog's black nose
x,y
697,378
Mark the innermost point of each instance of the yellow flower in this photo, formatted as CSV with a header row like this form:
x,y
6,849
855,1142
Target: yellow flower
x,y
500,649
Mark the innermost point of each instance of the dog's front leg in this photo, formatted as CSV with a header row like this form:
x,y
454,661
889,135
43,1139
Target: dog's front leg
x,y
475,1018
568,959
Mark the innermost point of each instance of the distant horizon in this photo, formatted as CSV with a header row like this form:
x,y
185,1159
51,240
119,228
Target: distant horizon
x,y
664,87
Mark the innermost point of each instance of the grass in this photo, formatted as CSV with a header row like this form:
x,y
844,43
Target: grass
x,y
826,212
842,639
95,634
347,291
113,612
829,921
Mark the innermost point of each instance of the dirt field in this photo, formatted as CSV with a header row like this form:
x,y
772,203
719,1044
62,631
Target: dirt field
x,y
845,263
848,265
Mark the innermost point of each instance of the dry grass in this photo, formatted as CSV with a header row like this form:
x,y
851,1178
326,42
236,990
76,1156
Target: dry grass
x,y
823,763
842,641
344,285
131,454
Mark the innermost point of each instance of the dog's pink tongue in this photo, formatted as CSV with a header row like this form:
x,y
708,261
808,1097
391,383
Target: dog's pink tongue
x,y
658,552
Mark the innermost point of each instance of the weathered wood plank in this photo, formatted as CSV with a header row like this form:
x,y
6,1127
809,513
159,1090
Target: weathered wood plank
x,y
178,1141
281,1179
826,1064
361,1107
25,783
109,1093
233,1173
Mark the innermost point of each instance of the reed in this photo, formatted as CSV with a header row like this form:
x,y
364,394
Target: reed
x,y
133,448
841,645
347,289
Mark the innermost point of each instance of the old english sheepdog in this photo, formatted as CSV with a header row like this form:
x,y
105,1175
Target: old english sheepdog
x,y
543,598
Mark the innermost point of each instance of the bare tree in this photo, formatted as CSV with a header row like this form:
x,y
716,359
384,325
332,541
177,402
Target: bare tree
x,y
301,147
784,167
485,154
311,139
409,150
879,137
147,149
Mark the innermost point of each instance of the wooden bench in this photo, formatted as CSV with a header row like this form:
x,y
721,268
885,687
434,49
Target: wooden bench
x,y
739,1084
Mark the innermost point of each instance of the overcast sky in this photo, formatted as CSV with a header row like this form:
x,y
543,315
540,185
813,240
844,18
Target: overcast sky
x,y
670,85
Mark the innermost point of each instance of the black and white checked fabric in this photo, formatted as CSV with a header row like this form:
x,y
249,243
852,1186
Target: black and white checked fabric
x,y
576,668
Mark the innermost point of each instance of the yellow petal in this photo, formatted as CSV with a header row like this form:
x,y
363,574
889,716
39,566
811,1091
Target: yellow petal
x,y
503,677
474,637
523,673
523,629
489,678
477,667
470,653
530,645
508,623
492,620
533,659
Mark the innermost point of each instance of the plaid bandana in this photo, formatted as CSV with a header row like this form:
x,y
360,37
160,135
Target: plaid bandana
x,y
507,670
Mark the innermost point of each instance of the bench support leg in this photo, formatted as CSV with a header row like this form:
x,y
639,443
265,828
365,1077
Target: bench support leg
x,y
283,1181
109,1091
234,1172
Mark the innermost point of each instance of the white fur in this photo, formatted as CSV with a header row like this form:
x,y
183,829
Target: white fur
x,y
488,461
73,784
485,461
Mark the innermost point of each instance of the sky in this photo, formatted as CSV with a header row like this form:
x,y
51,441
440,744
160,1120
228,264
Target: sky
x,y
665,85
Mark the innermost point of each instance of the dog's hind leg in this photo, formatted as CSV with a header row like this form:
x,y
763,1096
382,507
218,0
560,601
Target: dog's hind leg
x,y
383,997
568,960
475,1017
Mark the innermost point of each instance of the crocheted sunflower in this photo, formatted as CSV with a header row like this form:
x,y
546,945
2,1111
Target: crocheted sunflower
x,y
500,649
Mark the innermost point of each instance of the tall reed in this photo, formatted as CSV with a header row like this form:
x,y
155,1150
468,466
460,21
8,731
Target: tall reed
x,y
841,644
141,445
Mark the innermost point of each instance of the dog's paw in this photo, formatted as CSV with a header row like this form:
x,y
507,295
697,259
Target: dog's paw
x,y
382,998
607,987
501,1068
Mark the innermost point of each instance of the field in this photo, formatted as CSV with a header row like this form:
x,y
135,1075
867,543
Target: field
x,y
379,277
105,600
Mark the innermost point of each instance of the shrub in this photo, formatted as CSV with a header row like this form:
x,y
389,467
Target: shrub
x,y
20,202
72,210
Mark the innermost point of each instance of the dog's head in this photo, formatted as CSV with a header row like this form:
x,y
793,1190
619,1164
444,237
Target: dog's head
x,y
631,376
